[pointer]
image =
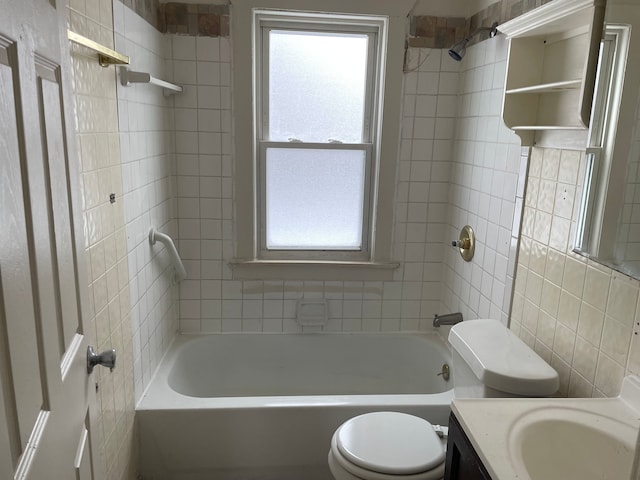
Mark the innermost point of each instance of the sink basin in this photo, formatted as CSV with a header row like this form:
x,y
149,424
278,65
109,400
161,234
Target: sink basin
x,y
568,443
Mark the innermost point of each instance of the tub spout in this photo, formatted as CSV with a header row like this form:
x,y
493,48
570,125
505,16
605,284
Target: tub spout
x,y
448,319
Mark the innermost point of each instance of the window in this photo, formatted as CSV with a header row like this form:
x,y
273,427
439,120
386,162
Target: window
x,y
325,115
316,134
596,226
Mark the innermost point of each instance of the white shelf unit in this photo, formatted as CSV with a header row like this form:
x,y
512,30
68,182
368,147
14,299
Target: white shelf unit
x,y
551,70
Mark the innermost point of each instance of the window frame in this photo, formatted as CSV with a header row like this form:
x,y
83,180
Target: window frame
x,y
592,235
373,27
248,262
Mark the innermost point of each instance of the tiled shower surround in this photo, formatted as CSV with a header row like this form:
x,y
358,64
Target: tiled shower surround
x,y
458,165
485,189
146,123
211,301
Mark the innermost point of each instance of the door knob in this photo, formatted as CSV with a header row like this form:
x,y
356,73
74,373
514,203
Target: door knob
x,y
106,359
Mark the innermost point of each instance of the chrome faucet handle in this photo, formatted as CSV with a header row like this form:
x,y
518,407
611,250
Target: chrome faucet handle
x,y
106,359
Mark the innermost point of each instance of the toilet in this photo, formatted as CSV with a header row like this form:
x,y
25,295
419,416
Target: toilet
x,y
488,361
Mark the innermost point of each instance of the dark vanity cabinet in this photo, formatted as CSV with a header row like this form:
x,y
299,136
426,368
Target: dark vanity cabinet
x,y
462,461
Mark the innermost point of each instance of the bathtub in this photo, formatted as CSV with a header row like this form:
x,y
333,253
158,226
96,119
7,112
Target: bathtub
x,y
256,406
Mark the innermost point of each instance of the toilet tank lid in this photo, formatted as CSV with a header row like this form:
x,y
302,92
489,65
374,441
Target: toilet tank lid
x,y
501,360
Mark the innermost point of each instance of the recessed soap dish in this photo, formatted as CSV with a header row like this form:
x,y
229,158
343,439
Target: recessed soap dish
x,y
312,312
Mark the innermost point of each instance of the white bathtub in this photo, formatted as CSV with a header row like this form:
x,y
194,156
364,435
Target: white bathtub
x,y
251,406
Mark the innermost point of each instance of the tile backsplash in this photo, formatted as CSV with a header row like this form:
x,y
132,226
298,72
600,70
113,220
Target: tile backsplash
x,y
580,316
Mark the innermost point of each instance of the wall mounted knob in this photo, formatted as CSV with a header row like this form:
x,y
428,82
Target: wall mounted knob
x,y
466,243
106,359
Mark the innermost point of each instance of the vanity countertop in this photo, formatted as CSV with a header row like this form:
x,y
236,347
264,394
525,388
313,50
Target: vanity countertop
x,y
508,433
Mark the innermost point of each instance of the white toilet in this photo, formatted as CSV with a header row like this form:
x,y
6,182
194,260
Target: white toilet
x,y
488,361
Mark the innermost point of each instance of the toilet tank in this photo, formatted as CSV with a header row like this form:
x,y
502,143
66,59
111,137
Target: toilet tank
x,y
490,361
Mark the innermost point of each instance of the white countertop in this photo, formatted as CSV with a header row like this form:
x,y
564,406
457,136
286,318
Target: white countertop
x,y
493,424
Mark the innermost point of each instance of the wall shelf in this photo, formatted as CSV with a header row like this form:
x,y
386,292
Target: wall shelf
x,y
547,87
548,127
551,69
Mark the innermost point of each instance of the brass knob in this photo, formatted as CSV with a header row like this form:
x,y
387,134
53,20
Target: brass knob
x,y
466,243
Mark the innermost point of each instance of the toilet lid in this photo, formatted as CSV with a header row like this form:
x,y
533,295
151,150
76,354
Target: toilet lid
x,y
390,442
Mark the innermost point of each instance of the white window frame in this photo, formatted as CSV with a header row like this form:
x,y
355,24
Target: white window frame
x,y
593,235
374,28
373,262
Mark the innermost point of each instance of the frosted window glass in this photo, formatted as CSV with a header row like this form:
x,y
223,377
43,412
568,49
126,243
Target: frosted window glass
x,y
317,85
314,198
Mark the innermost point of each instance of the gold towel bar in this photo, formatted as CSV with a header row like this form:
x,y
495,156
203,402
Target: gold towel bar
x,y
106,56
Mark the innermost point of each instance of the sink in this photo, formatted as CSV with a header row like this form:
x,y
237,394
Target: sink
x,y
569,443
554,438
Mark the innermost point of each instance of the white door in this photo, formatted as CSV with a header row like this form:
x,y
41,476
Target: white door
x,y
45,392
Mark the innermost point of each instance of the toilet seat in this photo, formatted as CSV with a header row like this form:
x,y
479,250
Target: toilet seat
x,y
387,445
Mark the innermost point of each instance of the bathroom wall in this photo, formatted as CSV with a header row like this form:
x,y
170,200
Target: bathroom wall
x,y
483,185
146,125
486,187
628,240
211,301
442,185
578,315
96,124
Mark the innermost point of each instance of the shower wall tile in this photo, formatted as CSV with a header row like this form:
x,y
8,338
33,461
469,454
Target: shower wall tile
x,y
146,122
211,301
487,168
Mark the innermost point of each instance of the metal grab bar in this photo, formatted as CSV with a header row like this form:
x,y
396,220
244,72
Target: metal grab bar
x,y
180,272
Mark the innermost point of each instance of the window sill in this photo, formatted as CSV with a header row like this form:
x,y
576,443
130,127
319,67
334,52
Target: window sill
x,y
312,270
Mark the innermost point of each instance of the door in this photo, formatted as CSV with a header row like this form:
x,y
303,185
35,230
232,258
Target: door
x,y
46,396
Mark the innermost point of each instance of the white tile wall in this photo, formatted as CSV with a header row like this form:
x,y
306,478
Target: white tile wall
x,y
146,122
487,172
210,301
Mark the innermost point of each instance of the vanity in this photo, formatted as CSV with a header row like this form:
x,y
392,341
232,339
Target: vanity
x,y
463,462
544,438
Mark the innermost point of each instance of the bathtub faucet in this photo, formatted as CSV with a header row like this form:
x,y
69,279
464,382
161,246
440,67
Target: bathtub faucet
x,y
448,319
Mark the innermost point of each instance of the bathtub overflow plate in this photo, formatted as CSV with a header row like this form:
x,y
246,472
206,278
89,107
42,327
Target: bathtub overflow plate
x,y
446,372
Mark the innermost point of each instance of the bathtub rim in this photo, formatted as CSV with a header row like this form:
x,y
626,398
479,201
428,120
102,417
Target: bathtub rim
x,y
158,395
